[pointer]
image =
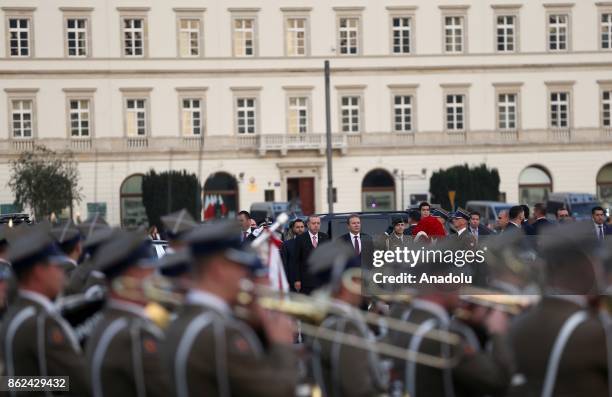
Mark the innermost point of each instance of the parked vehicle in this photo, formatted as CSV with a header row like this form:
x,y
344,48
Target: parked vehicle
x,y
579,205
17,218
271,209
489,210
373,223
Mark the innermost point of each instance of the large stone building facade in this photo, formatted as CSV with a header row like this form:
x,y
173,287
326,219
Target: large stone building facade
x,y
234,92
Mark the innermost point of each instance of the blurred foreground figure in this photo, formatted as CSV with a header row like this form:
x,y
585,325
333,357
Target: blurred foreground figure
x,y
211,352
340,369
560,344
481,366
123,350
36,341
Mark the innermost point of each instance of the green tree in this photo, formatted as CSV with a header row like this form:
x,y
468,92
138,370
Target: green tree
x,y
44,180
478,183
170,191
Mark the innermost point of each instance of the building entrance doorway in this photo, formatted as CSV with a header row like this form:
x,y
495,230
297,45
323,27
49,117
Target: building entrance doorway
x,y
300,191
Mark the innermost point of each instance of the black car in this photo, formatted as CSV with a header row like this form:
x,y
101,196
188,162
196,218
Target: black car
x,y
376,224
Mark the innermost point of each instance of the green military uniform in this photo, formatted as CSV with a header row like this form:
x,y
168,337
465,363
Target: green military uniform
x,y
342,370
85,276
123,351
208,351
583,364
477,373
338,368
123,354
36,341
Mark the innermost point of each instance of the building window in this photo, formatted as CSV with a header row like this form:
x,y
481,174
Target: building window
x,y
535,184
191,116
558,30
402,113
246,113
244,37
79,118
189,37
606,108
507,111
506,36
453,34
136,117
349,109
559,109
606,31
348,35
19,37
133,37
22,116
402,28
295,36
298,115
455,112
76,37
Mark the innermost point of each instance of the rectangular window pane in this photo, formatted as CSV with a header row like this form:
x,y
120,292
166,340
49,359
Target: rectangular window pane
x,y
453,34
245,115
19,37
455,112
189,37
401,35
133,37
350,114
295,36
244,37
76,37
348,36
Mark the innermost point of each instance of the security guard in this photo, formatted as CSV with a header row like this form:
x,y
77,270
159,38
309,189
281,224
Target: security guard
x,y
340,369
208,350
36,341
123,351
176,225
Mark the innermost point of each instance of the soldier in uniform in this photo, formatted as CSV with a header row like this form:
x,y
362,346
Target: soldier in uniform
x,y
340,369
211,352
397,238
85,279
478,372
176,225
123,351
36,341
561,346
8,284
68,237
466,240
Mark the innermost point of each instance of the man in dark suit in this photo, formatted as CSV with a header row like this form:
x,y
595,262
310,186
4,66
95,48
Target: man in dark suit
x,y
305,244
516,217
599,222
476,229
246,231
541,223
528,229
288,251
362,243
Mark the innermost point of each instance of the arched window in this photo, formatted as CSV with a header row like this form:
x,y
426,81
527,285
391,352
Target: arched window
x,y
220,196
535,184
378,191
133,212
604,185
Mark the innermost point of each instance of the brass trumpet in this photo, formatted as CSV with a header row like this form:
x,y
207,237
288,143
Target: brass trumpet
x,y
313,310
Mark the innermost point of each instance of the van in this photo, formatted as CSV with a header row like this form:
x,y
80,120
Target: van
x,y
489,210
271,209
579,205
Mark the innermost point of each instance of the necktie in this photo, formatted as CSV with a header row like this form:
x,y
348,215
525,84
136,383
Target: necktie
x,y
314,241
357,248
601,232
244,235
